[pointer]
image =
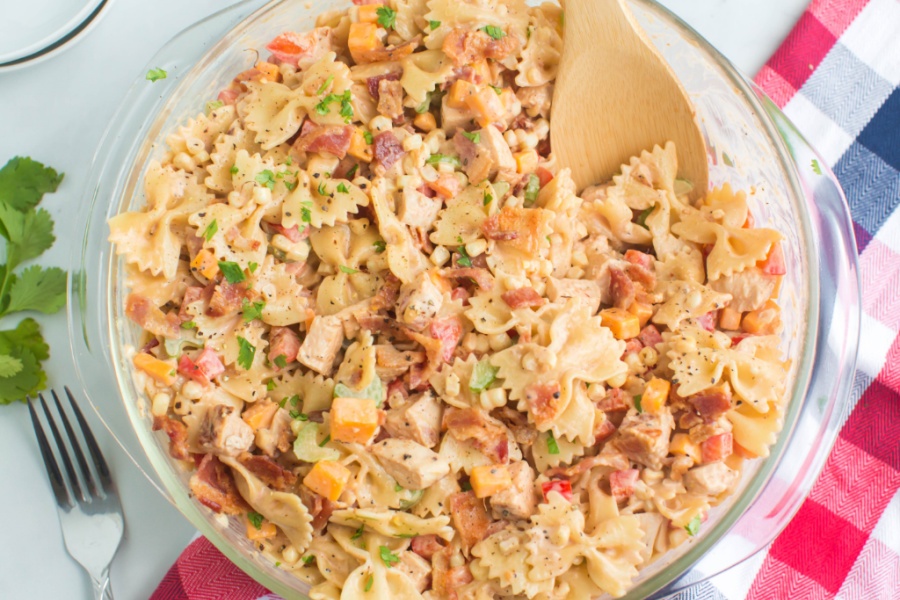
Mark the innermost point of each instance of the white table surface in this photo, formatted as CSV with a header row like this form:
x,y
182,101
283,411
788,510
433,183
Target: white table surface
x,y
55,112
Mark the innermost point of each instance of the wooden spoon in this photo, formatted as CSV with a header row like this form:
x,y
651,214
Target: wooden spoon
x,y
615,96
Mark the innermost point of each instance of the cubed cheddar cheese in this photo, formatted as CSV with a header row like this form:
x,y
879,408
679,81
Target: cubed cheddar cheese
x,y
259,415
363,38
682,445
328,479
368,13
266,530
487,480
159,370
205,263
459,93
425,122
353,420
763,321
642,311
268,71
729,319
526,161
656,392
486,106
358,146
623,324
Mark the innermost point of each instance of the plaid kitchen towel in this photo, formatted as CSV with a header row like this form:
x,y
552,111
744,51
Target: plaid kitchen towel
x,y
837,77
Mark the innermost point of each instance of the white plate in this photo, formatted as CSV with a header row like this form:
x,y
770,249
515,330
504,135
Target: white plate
x,y
33,30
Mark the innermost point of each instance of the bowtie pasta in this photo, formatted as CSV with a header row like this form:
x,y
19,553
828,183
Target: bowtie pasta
x,y
386,332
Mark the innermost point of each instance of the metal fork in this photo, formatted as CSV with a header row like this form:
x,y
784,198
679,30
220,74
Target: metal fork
x,y
89,511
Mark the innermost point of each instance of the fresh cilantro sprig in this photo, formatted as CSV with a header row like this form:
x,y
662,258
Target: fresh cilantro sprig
x,y
154,75
28,232
387,17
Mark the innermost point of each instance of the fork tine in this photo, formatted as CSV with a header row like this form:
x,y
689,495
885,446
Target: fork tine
x,y
76,448
56,478
61,446
96,455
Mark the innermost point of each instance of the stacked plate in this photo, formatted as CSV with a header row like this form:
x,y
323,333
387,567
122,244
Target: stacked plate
x,y
34,30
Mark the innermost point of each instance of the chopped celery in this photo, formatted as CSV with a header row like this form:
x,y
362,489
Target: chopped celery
x,y
306,446
374,391
483,375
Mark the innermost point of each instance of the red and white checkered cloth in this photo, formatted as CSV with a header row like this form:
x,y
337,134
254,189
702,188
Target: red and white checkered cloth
x,y
837,77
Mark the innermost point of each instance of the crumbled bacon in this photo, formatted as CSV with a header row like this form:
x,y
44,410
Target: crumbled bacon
x,y
213,486
283,341
434,350
523,298
708,320
390,99
544,401
717,447
387,149
293,233
228,96
481,276
226,299
465,46
642,259
622,483
177,433
473,424
330,139
426,546
632,346
492,231
712,402
621,288
191,295
469,517
613,400
461,294
650,336
146,314
603,430
386,296
319,507
267,470
449,331
373,82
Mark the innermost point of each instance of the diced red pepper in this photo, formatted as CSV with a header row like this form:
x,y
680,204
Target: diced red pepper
x,y
544,175
717,447
203,369
560,486
774,263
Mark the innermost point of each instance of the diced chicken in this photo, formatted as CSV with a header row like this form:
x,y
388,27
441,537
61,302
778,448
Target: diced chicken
x,y
749,288
283,342
223,432
710,480
226,299
416,568
391,363
418,420
519,500
644,437
414,466
322,343
490,156
301,49
419,302
277,436
536,100
469,517
417,210
584,290
390,98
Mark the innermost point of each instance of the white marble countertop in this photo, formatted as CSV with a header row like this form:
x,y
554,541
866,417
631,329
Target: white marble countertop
x,y
56,112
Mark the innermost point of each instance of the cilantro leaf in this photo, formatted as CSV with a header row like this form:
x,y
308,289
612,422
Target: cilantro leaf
x,y
434,24
246,352
26,335
24,181
387,17
494,31
232,271
388,557
464,260
9,365
473,137
156,74
38,288
29,234
255,519
29,380
251,310
280,361
266,178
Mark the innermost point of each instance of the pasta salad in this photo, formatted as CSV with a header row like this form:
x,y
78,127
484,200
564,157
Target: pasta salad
x,y
384,330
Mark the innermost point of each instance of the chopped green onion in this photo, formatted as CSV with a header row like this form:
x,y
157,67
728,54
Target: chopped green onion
x,y
210,230
188,325
352,172
251,310
388,557
497,90
342,188
306,446
213,105
552,446
642,218
380,246
464,258
694,526
253,267
325,85
281,361
325,441
373,391
270,385
434,24
443,158
234,170
308,560
367,135
473,137
266,178
232,271
637,403
358,533
348,270
255,518
369,581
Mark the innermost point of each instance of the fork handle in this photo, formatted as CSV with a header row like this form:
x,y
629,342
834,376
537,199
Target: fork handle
x,y
102,587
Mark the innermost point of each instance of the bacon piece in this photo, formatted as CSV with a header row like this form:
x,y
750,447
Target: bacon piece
x,y
473,424
621,288
426,546
301,49
330,139
387,149
446,580
708,321
481,276
469,517
228,96
613,400
641,259
268,471
492,231
386,296
446,186
560,486
465,46
434,351
283,341
544,175
293,234
390,99
146,314
373,82
213,486
622,483
177,433
650,336
449,331
523,298
712,402
603,430
192,294
461,294
366,2
632,346
543,401
319,507
226,299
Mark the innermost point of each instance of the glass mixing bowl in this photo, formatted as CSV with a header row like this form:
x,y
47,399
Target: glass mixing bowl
x,y
750,144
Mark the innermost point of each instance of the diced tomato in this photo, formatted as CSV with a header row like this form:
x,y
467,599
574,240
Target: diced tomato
x,y
228,96
544,175
717,447
708,321
560,486
203,369
774,263
622,483
448,331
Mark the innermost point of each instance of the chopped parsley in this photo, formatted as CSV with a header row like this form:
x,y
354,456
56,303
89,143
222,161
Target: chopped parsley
x,y
532,189
815,167
443,158
694,526
325,85
464,258
488,198
348,270
387,17
346,110
342,188
280,361
494,31
552,446
246,352
380,246
213,105
321,189
156,74
308,560
266,178
388,557
637,403
188,325
434,24
305,214
255,518
473,137
497,90
270,385
642,218
232,271
251,310
211,230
